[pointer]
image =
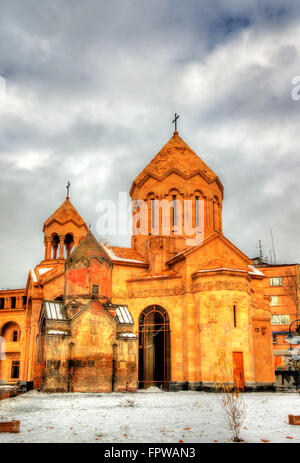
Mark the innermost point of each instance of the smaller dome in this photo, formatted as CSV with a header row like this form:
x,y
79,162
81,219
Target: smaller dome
x,y
64,214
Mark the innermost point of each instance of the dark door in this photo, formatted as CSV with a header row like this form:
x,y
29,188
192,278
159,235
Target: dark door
x,y
154,348
238,369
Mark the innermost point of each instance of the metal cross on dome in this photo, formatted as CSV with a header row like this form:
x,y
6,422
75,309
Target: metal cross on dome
x,y
175,120
68,188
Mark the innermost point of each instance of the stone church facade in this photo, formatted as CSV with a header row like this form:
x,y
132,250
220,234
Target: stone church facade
x,y
97,318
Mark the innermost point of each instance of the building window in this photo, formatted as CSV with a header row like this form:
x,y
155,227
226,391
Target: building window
x,y
152,213
280,319
274,300
234,316
276,281
24,300
197,211
274,338
13,302
2,301
15,369
174,209
15,336
95,289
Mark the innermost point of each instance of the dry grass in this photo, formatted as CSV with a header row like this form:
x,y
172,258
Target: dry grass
x,y
230,397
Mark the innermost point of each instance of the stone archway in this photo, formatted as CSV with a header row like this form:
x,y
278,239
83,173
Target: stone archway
x,y
154,347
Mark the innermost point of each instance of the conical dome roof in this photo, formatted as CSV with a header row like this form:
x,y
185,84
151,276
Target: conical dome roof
x,y
65,213
88,248
176,156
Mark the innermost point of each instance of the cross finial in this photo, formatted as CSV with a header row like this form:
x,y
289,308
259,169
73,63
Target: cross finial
x,y
175,121
68,189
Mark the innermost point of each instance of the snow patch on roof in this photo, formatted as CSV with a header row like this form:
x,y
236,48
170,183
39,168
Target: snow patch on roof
x,y
254,271
219,269
150,277
113,256
57,332
44,270
127,335
34,277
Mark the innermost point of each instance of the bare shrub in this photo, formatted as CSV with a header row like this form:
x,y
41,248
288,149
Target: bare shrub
x,y
230,397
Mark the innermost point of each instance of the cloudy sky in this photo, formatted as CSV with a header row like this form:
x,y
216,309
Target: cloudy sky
x,y
87,94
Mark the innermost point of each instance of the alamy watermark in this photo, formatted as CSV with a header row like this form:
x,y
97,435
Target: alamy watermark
x,y
152,217
2,348
295,93
2,88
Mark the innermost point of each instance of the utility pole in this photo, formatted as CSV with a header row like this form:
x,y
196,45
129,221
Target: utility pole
x,y
273,247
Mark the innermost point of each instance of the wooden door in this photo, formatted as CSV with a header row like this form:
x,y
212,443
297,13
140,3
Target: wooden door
x,y
238,369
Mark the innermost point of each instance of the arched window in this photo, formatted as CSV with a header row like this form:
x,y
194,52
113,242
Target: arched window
x,y
154,347
11,332
13,302
198,208
55,244
152,214
234,316
174,208
69,242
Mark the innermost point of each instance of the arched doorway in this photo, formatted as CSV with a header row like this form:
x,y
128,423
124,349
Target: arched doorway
x,y
154,347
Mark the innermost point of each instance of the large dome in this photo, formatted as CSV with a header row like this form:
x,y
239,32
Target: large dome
x,y
175,156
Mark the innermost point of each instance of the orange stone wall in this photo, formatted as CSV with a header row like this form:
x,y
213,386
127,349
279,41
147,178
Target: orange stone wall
x,y
91,357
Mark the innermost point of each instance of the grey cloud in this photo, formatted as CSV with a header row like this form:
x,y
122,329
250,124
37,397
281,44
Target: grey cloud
x,y
92,87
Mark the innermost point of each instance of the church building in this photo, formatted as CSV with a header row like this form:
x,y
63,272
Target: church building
x,y
102,318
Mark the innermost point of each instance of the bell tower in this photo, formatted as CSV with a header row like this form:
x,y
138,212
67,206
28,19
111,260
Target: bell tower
x,y
63,231
178,189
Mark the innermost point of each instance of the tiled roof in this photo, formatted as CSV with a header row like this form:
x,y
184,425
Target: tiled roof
x,y
176,155
126,253
88,248
118,254
65,213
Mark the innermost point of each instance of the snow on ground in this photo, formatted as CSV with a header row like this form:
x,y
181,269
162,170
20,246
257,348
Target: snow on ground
x,y
148,417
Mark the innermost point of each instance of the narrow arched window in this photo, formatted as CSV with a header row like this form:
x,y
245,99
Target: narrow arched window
x,y
69,243
234,316
152,213
13,302
174,209
197,211
15,336
55,244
